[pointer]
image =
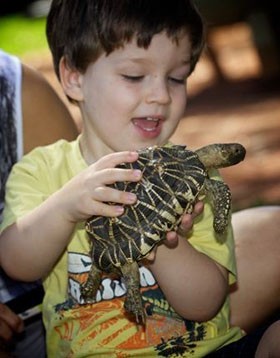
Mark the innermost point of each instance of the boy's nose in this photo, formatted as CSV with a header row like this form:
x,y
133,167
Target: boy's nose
x,y
158,92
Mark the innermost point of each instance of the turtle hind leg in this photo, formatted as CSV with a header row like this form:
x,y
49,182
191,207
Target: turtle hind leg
x,y
90,286
133,301
220,197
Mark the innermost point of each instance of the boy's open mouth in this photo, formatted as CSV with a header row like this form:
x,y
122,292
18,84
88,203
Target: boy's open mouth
x,y
148,124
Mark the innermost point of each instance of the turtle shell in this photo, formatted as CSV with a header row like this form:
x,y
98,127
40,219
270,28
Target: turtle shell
x,y
171,181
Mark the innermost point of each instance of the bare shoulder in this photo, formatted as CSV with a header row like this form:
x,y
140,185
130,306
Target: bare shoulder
x,y
46,117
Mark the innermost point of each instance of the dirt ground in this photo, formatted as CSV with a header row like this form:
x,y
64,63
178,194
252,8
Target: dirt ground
x,y
234,103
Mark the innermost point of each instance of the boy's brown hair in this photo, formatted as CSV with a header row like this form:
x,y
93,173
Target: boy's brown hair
x,y
82,30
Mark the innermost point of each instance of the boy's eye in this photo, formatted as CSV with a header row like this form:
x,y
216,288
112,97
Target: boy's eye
x,y
133,78
180,81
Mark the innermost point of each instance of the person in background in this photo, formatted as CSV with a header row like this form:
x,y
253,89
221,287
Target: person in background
x,y
31,114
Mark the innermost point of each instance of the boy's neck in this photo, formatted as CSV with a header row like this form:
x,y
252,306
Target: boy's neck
x,y
91,149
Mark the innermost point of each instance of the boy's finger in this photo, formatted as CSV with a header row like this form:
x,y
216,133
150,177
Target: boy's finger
x,y
114,159
171,239
113,175
103,209
198,209
107,194
187,220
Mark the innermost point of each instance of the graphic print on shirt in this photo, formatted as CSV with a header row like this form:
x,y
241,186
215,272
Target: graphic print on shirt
x,y
167,332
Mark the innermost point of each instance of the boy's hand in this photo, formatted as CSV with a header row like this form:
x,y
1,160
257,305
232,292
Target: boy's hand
x,y
186,225
88,193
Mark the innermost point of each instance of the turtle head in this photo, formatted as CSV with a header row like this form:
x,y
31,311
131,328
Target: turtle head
x,y
233,153
220,155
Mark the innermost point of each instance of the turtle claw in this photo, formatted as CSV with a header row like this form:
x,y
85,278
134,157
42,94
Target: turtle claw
x,y
141,319
89,288
133,302
135,308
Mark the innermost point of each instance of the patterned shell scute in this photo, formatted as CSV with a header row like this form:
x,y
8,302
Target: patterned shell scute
x,y
171,181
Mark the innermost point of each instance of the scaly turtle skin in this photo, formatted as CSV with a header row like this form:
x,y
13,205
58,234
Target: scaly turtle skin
x,y
172,181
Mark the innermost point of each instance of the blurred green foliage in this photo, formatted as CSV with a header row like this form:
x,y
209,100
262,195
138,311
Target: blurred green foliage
x,y
20,35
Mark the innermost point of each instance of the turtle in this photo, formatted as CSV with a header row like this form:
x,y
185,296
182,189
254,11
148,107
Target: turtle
x,y
173,179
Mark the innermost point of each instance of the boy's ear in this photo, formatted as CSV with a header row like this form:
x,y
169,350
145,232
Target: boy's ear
x,y
70,80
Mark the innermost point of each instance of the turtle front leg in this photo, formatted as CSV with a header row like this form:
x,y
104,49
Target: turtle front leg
x,y
90,287
133,301
220,196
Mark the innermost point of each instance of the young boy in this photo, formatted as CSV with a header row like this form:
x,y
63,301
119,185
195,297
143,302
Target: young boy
x,y
125,63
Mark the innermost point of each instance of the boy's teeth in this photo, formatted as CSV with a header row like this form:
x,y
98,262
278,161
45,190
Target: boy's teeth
x,y
146,123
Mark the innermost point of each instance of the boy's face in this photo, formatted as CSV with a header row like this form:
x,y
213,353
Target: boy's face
x,y
135,97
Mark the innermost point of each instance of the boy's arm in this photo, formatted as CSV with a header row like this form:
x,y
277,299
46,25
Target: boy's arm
x,y
30,247
194,285
35,242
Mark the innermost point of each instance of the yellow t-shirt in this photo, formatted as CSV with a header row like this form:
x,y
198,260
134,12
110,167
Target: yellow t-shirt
x,y
77,329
